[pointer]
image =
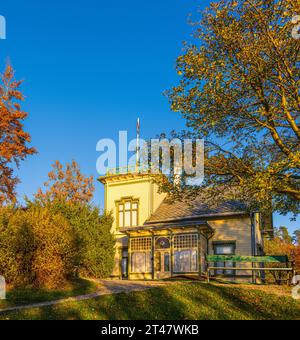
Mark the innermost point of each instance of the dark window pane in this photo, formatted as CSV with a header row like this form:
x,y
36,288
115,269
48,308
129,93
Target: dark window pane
x,y
167,262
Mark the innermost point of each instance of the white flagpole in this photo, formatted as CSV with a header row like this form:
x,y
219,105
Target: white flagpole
x,y
138,145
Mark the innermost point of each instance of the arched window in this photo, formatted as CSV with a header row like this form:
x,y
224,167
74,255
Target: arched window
x,y
162,243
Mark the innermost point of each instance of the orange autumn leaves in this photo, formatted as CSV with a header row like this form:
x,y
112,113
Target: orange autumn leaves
x,y
64,183
14,140
68,184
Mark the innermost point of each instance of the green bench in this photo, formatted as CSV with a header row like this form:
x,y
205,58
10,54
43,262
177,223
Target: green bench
x,y
262,260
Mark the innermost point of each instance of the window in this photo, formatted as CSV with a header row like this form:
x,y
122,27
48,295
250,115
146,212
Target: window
x,y
162,243
127,213
141,244
186,241
186,253
141,262
224,249
167,262
141,258
186,261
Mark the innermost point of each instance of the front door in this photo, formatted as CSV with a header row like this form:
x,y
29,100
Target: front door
x,y
124,264
163,264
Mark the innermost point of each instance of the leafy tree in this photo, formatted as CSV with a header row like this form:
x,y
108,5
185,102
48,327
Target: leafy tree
x,y
67,184
13,139
297,237
69,193
283,234
239,90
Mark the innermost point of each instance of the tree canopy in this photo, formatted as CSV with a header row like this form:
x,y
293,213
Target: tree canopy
x,y
14,141
67,183
239,90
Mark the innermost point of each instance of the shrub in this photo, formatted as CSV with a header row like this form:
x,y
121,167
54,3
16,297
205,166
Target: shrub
x,y
92,233
55,249
16,247
44,245
279,246
37,247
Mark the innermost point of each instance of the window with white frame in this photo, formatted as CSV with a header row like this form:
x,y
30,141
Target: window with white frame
x,y
141,255
141,263
224,249
127,213
186,253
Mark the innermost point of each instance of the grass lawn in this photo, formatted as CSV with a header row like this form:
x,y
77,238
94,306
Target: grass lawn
x,y
182,301
18,297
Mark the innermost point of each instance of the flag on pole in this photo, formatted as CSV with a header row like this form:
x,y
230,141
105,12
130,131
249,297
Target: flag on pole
x,y
138,127
138,130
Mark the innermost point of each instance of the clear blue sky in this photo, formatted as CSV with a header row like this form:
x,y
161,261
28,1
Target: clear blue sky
x,y
90,68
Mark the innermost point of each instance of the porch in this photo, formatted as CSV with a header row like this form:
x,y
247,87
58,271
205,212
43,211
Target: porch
x,y
163,251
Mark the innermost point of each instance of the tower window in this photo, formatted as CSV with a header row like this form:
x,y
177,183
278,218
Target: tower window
x,y
127,213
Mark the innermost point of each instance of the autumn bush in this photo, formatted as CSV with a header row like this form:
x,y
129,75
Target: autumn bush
x,y
36,247
44,245
16,247
282,244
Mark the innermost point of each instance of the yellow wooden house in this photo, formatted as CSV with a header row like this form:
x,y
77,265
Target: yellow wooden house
x,y
158,239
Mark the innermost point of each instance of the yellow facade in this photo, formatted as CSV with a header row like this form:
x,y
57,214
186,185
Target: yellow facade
x,y
139,244
139,187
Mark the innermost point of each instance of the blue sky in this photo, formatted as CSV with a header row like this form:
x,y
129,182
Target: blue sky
x,y
90,68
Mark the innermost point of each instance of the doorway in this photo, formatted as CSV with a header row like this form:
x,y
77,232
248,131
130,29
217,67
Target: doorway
x,y
124,264
163,264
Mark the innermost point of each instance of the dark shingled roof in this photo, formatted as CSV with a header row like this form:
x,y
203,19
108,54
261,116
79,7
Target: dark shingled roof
x,y
171,211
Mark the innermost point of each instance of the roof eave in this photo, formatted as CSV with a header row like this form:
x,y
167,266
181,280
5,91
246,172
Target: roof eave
x,y
198,217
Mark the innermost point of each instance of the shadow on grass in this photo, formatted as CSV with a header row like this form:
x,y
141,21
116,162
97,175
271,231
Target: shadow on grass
x,y
29,295
184,301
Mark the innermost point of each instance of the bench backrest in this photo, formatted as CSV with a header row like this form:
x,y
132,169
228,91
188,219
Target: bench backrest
x,y
253,259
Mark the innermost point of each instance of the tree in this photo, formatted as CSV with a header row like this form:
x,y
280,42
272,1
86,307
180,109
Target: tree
x,y
13,139
67,184
283,234
297,237
281,244
239,90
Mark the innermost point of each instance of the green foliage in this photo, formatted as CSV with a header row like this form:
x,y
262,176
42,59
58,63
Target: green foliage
x,y
92,232
283,234
45,245
37,247
16,240
281,244
297,237
239,90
